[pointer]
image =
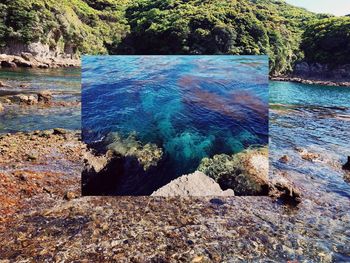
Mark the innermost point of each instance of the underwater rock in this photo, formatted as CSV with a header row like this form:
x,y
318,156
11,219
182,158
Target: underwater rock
x,y
284,159
246,172
1,108
195,184
148,155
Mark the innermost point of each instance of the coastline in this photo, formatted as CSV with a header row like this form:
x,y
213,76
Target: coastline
x,y
28,60
308,81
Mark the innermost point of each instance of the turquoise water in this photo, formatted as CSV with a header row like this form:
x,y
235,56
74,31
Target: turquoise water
x,y
190,106
65,84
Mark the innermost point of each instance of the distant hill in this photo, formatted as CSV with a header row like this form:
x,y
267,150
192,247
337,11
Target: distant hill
x,y
167,27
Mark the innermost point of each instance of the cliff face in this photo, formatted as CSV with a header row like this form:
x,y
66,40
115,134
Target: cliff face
x,y
39,50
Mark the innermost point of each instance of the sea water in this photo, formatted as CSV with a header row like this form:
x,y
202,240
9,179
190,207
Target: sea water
x,y
190,106
65,84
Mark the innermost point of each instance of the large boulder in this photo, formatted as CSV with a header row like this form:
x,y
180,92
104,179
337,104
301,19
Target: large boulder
x,y
246,172
195,184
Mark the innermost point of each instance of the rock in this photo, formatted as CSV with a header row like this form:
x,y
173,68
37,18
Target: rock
x,y
24,99
282,188
195,184
306,155
246,172
1,108
284,159
8,64
346,166
32,100
20,62
3,85
148,155
69,195
45,96
59,131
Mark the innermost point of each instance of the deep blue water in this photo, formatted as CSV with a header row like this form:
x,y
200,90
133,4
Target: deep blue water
x,y
190,106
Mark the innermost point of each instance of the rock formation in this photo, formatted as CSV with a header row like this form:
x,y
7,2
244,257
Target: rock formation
x,y
148,155
195,184
246,172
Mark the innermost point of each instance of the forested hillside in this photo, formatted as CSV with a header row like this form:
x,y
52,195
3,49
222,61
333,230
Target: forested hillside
x,y
327,41
178,27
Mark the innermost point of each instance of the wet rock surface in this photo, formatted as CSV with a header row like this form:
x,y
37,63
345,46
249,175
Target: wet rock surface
x,y
195,184
45,218
37,168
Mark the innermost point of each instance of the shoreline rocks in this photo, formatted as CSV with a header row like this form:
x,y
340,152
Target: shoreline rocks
x,y
195,184
311,81
28,60
247,173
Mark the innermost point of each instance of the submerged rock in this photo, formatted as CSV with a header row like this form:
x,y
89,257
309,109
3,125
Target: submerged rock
x,y
148,155
195,184
1,108
246,172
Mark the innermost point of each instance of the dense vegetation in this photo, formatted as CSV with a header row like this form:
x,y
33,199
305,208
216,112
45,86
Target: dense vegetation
x,y
328,41
87,26
176,27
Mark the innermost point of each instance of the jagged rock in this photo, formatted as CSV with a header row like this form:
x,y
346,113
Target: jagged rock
x,y
195,184
246,172
45,96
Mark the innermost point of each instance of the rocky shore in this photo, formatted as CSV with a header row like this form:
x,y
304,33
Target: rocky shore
x,y
311,81
28,60
44,218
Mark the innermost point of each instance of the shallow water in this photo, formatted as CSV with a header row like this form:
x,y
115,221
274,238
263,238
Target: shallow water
x,y
65,84
190,106
316,118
